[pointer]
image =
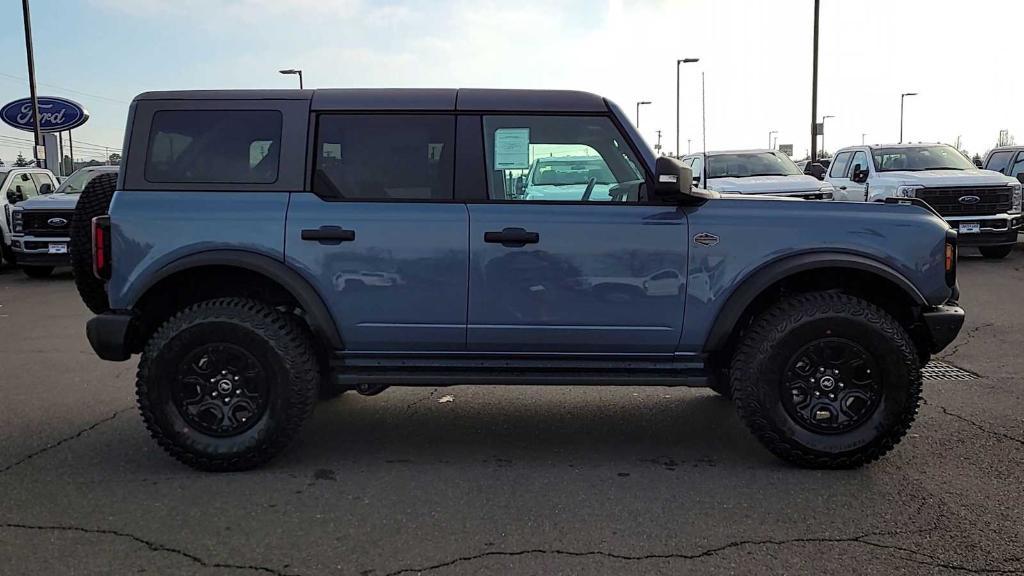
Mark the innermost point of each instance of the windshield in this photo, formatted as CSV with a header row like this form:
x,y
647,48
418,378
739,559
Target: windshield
x,y
916,158
747,164
569,171
76,182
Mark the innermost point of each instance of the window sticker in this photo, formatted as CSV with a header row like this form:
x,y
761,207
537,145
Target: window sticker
x,y
332,150
511,148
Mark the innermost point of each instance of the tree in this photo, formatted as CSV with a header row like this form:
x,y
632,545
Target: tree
x,y
21,161
114,158
1005,138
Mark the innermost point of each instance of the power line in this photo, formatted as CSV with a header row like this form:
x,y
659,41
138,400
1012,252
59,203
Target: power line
x,y
79,92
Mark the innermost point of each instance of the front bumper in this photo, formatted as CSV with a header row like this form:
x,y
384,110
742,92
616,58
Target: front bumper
x,y
33,251
997,230
109,335
943,323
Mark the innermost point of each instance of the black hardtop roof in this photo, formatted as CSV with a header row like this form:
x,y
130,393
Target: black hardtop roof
x,y
417,99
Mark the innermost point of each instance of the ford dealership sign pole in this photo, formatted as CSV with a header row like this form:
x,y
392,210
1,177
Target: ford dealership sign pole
x,y
32,81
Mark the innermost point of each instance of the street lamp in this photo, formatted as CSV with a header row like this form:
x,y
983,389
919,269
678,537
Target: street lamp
x,y
638,104
678,62
863,134
902,96
293,71
770,132
823,118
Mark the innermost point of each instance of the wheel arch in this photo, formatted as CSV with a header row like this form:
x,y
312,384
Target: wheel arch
x,y
253,265
878,282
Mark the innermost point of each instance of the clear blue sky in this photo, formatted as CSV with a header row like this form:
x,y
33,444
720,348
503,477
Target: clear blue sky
x,y
756,55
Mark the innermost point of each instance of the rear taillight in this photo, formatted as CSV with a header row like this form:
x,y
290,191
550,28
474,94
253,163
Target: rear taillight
x,y
101,247
950,257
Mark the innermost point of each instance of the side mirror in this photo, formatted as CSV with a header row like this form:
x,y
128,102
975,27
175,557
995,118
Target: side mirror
x,y
860,175
46,188
1020,177
673,182
815,169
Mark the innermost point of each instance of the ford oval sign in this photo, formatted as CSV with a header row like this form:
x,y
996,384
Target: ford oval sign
x,y
55,114
969,199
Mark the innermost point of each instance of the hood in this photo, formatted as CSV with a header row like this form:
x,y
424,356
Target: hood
x,y
50,202
767,184
939,178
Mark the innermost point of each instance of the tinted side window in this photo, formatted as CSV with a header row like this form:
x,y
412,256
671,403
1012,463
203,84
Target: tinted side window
x,y
41,180
560,159
859,159
999,161
213,146
379,157
839,164
1018,167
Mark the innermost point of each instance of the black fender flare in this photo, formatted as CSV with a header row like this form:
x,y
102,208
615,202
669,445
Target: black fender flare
x,y
317,313
768,274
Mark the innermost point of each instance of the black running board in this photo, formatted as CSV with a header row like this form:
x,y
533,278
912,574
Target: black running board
x,y
355,377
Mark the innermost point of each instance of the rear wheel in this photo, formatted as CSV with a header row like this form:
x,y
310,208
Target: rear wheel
x,y
37,271
996,252
226,384
92,202
827,380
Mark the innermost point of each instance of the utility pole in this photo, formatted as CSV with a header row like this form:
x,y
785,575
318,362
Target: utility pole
x,y
32,81
863,134
638,105
814,87
703,120
657,147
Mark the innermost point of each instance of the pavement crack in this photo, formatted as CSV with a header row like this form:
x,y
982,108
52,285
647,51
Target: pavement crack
x,y
151,545
410,405
919,557
64,440
982,428
964,339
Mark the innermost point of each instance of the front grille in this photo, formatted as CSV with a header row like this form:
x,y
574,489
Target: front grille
x,y
991,200
39,223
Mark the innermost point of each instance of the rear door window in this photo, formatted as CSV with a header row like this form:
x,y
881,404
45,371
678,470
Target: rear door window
x,y
214,146
385,157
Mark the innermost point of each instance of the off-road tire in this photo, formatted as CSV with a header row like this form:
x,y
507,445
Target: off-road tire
x,y
284,352
776,335
995,252
37,271
92,202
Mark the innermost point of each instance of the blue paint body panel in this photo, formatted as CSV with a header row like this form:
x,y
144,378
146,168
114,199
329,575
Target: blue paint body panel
x,y
601,279
754,233
401,284
153,229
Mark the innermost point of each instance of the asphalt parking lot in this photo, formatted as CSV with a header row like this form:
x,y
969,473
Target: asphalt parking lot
x,y
504,480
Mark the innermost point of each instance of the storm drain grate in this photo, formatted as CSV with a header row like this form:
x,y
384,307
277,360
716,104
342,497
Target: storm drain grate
x,y
937,370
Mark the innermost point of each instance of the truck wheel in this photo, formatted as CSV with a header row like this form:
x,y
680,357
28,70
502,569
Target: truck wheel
x,y
7,254
721,384
37,271
93,201
827,380
996,252
226,384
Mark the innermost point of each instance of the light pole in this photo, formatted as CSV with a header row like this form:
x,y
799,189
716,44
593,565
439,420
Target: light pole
x,y
32,82
814,87
678,62
902,96
863,134
638,104
770,132
823,118
293,71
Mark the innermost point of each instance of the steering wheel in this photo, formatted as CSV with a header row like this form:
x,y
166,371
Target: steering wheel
x,y
589,190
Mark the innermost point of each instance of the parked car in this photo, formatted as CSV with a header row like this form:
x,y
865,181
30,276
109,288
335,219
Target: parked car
x,y
568,178
19,184
237,212
818,168
41,225
983,205
754,172
1007,160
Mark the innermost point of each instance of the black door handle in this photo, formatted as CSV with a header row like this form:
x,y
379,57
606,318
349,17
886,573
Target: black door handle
x,y
512,237
331,235
842,187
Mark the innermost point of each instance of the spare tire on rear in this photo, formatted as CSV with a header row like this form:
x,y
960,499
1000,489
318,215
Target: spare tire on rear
x,y
92,202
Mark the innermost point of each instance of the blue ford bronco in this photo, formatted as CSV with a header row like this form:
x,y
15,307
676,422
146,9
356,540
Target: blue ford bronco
x,y
263,249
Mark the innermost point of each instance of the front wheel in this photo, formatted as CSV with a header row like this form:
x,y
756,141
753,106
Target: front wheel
x,y
995,252
827,380
226,384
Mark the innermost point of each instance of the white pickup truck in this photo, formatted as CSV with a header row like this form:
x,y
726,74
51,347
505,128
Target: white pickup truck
x,y
983,205
754,172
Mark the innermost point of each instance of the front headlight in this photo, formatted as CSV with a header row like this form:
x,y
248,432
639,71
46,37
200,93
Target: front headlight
x,y
1015,204
16,222
907,191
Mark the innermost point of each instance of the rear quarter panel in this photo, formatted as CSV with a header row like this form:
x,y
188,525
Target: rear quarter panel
x,y
152,229
754,233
